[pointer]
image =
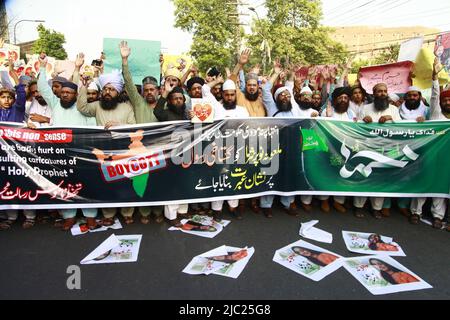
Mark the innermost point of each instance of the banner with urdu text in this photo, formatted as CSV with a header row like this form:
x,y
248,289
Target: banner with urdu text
x,y
179,162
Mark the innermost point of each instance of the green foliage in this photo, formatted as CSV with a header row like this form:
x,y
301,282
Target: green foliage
x,y
292,31
50,42
386,56
214,31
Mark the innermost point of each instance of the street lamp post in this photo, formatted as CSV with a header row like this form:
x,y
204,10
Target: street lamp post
x,y
265,44
15,25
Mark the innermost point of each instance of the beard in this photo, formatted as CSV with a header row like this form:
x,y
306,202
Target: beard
x,y
251,96
41,101
175,109
342,106
229,105
381,103
150,99
305,105
284,106
109,104
65,104
412,104
445,108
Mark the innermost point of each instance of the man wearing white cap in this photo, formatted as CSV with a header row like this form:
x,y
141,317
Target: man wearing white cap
x,y
381,111
108,112
93,92
304,101
413,108
228,109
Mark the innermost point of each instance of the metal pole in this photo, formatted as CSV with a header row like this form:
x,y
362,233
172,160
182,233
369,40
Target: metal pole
x,y
15,26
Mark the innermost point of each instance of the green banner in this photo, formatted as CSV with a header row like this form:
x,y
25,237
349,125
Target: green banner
x,y
143,61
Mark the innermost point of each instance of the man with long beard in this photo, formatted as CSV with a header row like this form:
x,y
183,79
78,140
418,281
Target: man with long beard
x,y
439,110
108,112
379,111
339,110
304,100
228,109
143,109
278,105
250,98
65,113
252,101
174,99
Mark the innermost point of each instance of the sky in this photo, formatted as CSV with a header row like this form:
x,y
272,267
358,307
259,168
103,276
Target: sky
x,y
86,22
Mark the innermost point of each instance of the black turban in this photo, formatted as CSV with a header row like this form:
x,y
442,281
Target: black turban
x,y
193,81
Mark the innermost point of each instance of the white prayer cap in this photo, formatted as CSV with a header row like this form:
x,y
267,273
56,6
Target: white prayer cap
x,y
306,90
394,97
280,90
92,86
114,78
413,88
229,85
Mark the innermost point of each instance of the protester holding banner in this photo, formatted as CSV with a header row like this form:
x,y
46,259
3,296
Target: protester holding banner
x,y
439,110
12,109
278,105
65,113
228,109
143,109
108,112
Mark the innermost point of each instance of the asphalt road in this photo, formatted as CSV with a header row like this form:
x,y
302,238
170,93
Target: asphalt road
x,y
34,262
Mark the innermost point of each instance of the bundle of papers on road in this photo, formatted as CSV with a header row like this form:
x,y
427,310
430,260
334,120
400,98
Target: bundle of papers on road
x,y
223,261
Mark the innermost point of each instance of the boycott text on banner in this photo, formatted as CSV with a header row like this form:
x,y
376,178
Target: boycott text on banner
x,y
395,75
143,60
181,162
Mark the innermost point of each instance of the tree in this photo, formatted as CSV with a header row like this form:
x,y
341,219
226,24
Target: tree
x,y
293,31
215,31
50,42
388,55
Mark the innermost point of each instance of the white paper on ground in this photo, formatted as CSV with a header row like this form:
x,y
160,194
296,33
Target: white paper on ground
x,y
80,228
307,230
115,249
316,266
401,279
359,242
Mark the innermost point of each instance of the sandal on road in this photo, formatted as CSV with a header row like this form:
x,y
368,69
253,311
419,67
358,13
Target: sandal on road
x,y
6,225
28,223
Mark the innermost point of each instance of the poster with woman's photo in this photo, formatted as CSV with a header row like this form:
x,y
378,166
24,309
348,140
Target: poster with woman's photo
x,y
308,260
382,275
371,243
202,226
223,261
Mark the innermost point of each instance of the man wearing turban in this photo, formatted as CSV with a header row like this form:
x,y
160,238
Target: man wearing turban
x,y
108,112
